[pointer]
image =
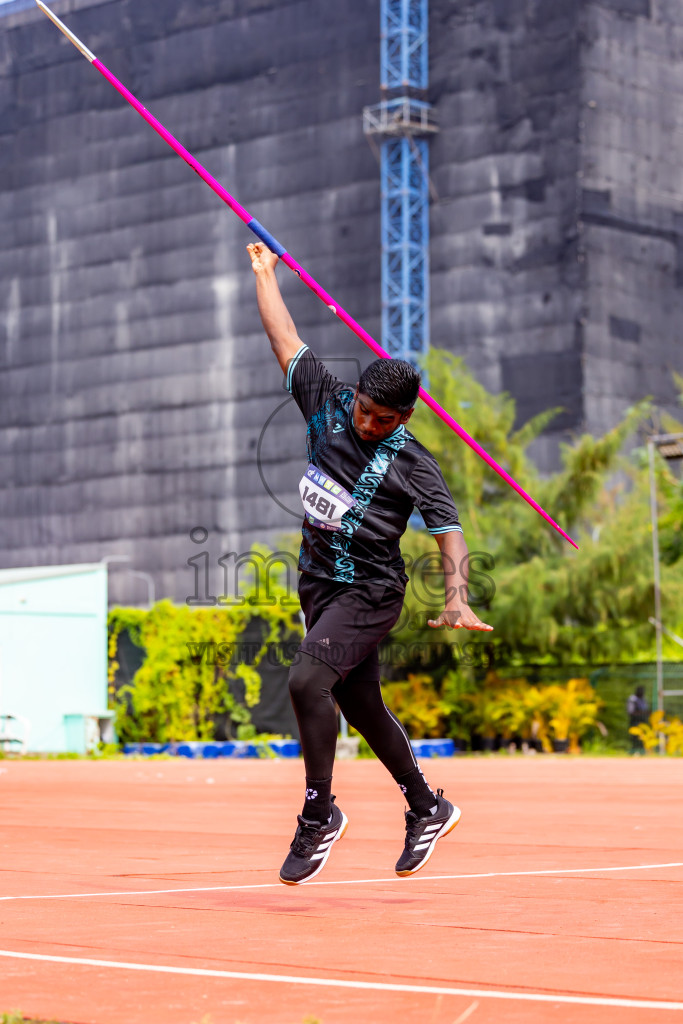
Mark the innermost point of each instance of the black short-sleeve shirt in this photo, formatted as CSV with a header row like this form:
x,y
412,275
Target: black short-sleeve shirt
x,y
388,479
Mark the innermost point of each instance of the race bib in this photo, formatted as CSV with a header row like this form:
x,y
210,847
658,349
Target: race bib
x,y
324,500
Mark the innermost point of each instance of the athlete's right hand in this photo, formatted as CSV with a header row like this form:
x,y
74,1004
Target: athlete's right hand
x,y
262,259
459,618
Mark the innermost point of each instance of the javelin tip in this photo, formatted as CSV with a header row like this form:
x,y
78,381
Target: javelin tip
x,y
88,54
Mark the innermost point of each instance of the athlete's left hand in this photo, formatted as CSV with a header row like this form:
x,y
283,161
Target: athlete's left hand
x,y
459,618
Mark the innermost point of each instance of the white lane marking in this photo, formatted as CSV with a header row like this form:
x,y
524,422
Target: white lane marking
x,y
288,979
347,881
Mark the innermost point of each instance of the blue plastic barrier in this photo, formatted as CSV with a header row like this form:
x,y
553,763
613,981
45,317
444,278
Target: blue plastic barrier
x,y
433,748
285,748
218,748
279,748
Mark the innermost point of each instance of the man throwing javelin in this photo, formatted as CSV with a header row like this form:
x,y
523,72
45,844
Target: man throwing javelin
x,y
366,473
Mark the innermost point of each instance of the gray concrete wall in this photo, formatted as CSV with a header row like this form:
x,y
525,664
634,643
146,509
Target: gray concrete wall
x,y
632,204
506,283
135,380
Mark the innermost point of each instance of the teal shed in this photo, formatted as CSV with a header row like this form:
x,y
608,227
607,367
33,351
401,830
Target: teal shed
x,y
53,657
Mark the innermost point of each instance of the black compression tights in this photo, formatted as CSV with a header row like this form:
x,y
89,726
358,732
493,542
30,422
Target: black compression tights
x,y
314,688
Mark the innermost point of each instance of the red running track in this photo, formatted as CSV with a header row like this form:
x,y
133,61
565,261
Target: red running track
x,y
557,899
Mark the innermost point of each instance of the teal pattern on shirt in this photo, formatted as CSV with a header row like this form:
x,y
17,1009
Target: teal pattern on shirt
x,y
364,492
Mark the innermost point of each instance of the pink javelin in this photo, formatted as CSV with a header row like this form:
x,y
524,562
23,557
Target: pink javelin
x,y
289,261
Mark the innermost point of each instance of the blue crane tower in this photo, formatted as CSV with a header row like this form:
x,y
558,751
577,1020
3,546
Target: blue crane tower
x,y
403,120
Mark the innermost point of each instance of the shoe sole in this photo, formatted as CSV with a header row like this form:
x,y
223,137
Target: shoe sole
x,y
447,827
321,865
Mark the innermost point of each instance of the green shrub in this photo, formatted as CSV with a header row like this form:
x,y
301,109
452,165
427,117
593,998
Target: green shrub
x,y
195,668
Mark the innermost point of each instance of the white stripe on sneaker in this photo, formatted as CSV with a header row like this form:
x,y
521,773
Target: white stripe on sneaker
x,y
319,858
427,839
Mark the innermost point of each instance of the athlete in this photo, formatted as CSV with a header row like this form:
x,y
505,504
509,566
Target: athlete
x,y
366,473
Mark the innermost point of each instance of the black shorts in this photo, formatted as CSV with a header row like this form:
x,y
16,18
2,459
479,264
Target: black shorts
x,y
345,622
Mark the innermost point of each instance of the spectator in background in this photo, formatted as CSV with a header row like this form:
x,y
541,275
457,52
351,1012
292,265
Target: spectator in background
x,y
637,709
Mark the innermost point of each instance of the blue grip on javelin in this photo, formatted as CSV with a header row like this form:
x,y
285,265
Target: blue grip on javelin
x,y
266,237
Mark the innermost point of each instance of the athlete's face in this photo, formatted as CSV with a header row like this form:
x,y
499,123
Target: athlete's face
x,y
374,422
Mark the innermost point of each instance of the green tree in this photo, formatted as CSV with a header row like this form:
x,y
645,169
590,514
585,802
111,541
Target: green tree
x,y
552,604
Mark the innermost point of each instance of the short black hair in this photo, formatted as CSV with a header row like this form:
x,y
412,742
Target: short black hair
x,y
393,383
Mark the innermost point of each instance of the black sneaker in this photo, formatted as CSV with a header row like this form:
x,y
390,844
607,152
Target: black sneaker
x,y
422,834
311,847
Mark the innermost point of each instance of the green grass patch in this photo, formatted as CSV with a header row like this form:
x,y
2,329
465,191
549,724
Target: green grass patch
x,y
16,1017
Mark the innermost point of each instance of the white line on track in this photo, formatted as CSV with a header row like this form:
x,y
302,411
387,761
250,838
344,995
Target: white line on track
x,y
287,979
348,881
